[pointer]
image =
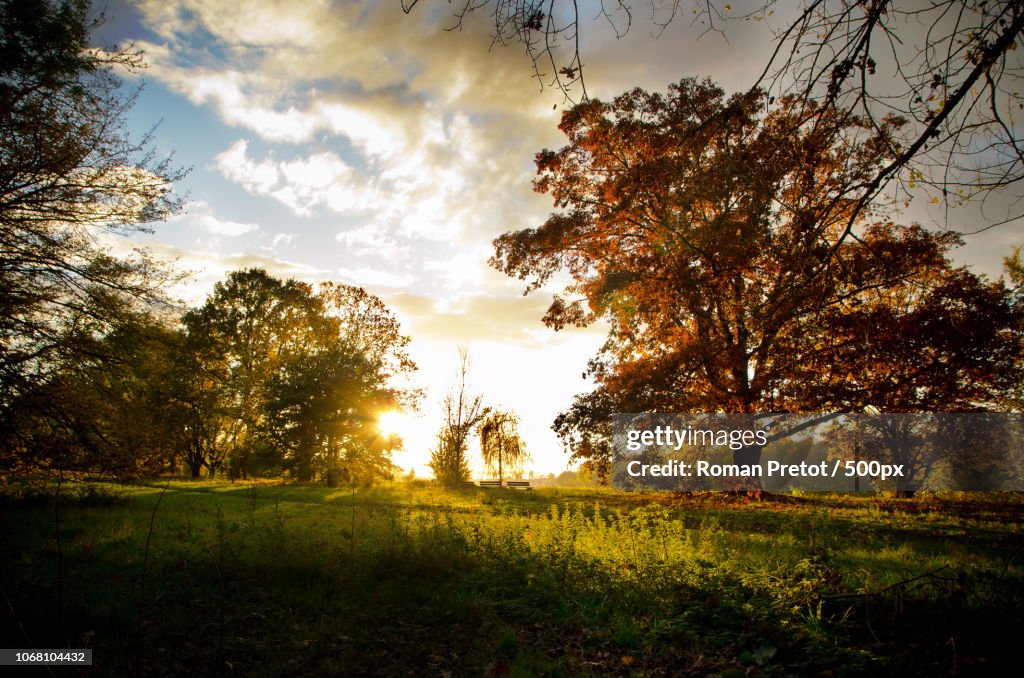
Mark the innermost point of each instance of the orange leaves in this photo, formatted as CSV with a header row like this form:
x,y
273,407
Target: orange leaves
x,y
711,233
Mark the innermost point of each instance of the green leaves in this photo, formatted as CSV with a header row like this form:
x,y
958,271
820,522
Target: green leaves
x,y
299,376
67,171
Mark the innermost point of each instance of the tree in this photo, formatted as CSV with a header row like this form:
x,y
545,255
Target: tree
x,y
243,332
950,68
450,466
137,423
69,175
500,444
462,413
710,233
197,392
321,416
109,414
296,372
368,326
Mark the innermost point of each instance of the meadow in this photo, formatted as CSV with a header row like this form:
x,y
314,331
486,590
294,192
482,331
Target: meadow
x,y
183,577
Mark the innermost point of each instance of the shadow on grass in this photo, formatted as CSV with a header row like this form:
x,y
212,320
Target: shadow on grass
x,y
287,580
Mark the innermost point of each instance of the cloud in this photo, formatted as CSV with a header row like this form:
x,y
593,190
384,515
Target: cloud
x,y
198,214
198,270
385,81
255,177
482,317
376,241
369,277
466,269
418,140
228,228
318,180
372,50
260,23
279,238
284,110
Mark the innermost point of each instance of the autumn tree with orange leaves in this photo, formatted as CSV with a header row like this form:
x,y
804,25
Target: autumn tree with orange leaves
x,y
713,234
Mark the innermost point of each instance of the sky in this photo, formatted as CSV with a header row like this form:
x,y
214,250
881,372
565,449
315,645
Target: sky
x,y
348,141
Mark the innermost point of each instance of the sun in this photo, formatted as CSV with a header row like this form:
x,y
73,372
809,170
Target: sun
x,y
391,422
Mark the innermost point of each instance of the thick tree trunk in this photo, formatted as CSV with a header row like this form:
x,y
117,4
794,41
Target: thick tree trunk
x,y
749,456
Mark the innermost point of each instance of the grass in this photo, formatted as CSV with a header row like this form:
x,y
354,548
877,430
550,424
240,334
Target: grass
x,y
275,579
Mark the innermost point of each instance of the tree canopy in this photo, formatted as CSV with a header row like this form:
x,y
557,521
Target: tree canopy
x,y
69,174
709,231
501,447
299,373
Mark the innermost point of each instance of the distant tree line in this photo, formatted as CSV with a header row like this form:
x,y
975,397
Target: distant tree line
x,y
268,377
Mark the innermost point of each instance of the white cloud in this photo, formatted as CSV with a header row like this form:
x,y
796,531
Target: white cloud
x,y
375,240
263,23
228,228
370,277
259,178
321,179
285,238
390,120
465,270
198,214
254,101
371,130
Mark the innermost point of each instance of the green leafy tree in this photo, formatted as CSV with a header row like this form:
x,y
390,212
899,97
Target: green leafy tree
x,y
112,414
322,410
243,333
296,377
501,446
197,394
368,327
449,464
69,177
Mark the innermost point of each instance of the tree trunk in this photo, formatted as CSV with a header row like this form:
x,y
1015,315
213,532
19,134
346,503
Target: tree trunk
x,y
748,455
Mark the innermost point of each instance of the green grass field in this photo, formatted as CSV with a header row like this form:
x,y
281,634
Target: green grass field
x,y
284,580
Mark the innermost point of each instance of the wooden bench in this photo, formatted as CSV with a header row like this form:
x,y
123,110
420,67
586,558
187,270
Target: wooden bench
x,y
467,483
490,483
519,485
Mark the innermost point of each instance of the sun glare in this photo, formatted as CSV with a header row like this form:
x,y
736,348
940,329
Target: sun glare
x,y
391,422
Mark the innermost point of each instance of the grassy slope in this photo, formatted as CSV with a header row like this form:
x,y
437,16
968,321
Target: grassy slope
x,y
284,580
